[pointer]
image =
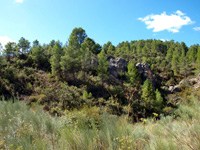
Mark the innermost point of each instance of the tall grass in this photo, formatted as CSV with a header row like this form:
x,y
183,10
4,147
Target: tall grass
x,y
22,127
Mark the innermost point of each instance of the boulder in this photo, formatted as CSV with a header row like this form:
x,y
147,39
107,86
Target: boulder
x,y
146,73
195,82
116,66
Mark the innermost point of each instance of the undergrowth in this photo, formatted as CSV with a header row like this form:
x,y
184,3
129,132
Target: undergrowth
x,y
31,128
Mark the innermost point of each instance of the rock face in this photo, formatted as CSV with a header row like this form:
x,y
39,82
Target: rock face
x,y
146,73
195,82
116,66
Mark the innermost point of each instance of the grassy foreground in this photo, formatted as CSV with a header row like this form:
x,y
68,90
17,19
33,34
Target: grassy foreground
x,y
22,127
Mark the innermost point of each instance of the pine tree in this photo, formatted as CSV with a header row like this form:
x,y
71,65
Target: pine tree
x,y
95,48
148,95
169,55
111,50
175,62
133,74
71,61
35,43
105,47
183,61
10,50
103,66
86,59
57,52
39,57
198,60
192,54
1,49
158,103
23,45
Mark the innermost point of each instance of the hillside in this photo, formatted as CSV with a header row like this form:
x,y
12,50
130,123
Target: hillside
x,y
85,96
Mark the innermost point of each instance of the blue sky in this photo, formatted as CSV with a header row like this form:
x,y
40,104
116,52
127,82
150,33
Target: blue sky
x,y
103,20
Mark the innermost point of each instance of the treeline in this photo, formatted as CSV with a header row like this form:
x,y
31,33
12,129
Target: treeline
x,y
76,74
59,59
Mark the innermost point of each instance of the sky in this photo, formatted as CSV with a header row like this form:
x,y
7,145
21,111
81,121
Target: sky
x,y
103,20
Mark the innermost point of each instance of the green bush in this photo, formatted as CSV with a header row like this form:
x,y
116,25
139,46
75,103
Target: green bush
x,y
40,99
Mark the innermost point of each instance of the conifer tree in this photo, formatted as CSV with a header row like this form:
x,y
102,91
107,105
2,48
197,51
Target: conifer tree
x,y
183,61
57,52
95,48
169,55
23,45
35,43
192,54
71,61
175,62
198,60
103,66
10,50
39,57
1,49
148,95
106,46
133,74
111,50
158,103
86,59
154,48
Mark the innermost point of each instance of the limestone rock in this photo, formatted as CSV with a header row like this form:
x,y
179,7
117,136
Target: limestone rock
x,y
195,82
116,66
146,73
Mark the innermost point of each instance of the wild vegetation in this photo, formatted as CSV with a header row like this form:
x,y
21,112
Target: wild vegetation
x,y
25,127
56,96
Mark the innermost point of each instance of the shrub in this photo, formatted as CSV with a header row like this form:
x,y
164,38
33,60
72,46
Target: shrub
x,y
40,99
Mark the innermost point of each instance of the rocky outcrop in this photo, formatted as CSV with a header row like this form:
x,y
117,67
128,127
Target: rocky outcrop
x,y
119,65
146,73
195,82
116,66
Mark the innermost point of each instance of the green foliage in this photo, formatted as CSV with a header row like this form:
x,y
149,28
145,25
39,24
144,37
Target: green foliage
x,y
198,60
175,62
192,53
111,50
89,43
133,75
159,103
103,66
56,58
10,50
77,37
148,95
40,99
89,128
106,46
169,55
26,74
23,46
71,61
40,58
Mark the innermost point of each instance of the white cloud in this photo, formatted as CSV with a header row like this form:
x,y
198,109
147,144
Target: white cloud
x,y
172,22
4,40
196,28
19,1
163,40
